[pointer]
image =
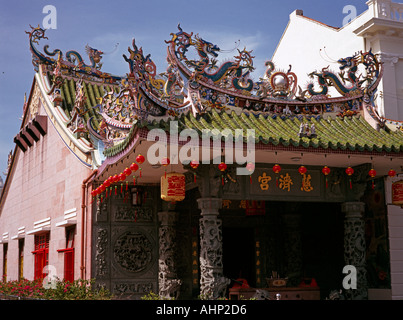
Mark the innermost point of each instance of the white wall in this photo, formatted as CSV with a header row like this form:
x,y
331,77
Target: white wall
x,y
309,45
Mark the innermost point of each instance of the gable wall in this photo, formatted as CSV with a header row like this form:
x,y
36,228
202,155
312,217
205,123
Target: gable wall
x,y
45,182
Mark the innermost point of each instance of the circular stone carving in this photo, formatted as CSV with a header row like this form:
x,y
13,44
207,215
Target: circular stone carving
x,y
133,251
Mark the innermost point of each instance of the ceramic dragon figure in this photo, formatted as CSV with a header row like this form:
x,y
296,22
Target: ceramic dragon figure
x,y
234,73
72,59
346,82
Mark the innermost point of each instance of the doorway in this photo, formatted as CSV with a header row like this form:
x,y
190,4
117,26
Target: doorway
x,y
239,255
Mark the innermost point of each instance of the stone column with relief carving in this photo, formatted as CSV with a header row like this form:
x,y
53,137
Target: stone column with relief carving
x,y
169,285
212,282
354,247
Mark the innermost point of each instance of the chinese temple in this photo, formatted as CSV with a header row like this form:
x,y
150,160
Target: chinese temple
x,y
202,182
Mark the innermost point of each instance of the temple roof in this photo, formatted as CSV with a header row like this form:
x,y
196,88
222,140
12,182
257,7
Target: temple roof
x,y
107,110
351,133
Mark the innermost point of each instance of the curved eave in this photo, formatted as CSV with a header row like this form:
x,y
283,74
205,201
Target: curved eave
x,y
81,148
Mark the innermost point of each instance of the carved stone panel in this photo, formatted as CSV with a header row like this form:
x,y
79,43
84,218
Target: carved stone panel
x,y
101,253
134,252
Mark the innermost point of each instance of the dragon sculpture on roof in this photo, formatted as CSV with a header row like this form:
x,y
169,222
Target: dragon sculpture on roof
x,y
201,83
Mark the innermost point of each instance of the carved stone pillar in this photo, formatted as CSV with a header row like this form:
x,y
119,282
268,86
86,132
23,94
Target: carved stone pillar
x,y
293,247
212,281
169,285
354,247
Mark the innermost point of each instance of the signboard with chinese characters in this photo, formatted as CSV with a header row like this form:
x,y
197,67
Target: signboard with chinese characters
x,y
287,182
290,185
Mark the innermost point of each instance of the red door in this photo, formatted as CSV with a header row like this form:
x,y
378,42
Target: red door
x,y
69,265
41,255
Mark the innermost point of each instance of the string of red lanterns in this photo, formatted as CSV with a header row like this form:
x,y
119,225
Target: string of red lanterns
x,y
107,184
107,187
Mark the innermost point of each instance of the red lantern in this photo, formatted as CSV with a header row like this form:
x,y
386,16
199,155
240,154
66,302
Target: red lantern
x,y
276,170
107,182
222,167
391,173
115,178
134,167
165,162
250,166
372,174
127,172
122,177
350,172
194,164
326,172
93,194
302,170
140,159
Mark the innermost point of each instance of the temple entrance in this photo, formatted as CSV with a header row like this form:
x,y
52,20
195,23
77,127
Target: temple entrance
x,y
238,254
322,238
299,241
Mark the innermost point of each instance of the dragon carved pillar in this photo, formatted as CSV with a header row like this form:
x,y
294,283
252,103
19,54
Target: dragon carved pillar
x,y
169,285
212,281
354,247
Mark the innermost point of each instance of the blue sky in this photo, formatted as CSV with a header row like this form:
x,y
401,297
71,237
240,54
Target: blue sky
x,y
101,24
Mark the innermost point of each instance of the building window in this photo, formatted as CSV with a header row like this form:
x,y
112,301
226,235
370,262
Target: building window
x,y
21,243
69,255
5,249
41,254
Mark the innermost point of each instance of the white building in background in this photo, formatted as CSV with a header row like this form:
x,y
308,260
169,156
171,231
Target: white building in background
x,y
319,45
308,45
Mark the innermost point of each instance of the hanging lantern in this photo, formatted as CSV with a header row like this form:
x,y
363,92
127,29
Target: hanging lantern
x,y
194,164
122,177
350,172
165,162
372,174
276,170
134,167
326,172
127,172
391,173
173,187
93,194
140,159
250,166
397,193
107,183
222,167
102,189
302,170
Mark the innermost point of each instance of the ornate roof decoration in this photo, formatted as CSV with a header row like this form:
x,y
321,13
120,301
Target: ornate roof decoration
x,y
105,108
71,61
